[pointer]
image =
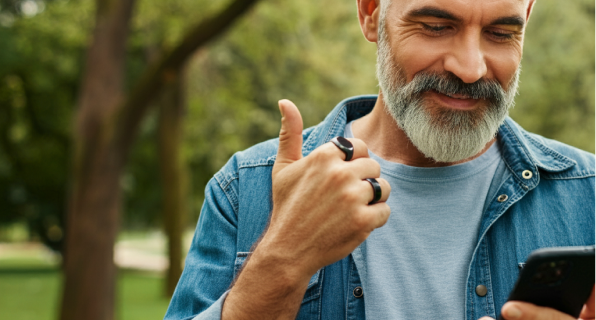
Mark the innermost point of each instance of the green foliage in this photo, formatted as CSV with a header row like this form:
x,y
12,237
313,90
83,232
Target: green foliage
x,y
311,52
274,52
39,77
556,96
298,50
12,9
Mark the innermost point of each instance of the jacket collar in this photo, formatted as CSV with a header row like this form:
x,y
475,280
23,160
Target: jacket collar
x,y
521,150
335,123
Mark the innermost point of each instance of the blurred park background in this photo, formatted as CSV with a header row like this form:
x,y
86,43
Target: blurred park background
x,y
183,106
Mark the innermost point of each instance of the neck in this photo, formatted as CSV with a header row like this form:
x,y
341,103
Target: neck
x,y
387,140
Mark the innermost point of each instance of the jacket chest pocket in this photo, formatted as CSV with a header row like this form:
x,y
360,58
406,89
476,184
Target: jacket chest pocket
x,y
313,291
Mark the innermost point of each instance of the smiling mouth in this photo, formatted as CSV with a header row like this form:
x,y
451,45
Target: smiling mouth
x,y
456,95
457,100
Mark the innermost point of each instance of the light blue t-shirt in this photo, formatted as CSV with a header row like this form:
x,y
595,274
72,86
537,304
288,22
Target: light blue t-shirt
x,y
417,263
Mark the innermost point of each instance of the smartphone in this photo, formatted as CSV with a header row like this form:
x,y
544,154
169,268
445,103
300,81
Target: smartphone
x,y
560,278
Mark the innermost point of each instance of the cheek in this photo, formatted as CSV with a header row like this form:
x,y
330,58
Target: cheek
x,y
503,67
414,56
501,63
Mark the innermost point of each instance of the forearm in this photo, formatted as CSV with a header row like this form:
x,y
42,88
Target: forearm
x,y
267,288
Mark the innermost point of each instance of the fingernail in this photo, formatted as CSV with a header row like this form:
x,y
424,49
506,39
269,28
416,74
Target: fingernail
x,y
512,312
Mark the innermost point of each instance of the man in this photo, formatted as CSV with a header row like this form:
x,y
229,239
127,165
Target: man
x,y
283,227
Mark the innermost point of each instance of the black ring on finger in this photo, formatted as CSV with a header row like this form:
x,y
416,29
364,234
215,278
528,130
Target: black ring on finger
x,y
344,145
377,191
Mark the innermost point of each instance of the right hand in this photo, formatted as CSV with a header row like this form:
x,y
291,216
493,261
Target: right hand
x,y
320,202
519,310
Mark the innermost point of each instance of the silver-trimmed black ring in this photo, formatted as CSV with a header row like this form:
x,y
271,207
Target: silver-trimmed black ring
x,y
345,146
377,191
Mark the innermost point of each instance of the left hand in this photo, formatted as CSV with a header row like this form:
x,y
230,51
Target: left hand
x,y
517,310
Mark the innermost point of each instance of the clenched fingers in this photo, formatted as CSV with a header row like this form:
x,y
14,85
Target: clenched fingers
x,y
516,310
368,190
360,149
364,168
376,215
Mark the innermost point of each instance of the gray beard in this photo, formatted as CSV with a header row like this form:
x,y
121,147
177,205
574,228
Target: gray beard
x,y
448,135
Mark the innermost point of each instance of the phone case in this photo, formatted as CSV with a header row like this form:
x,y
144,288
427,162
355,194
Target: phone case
x,y
561,278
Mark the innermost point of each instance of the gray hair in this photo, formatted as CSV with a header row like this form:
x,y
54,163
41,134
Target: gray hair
x,y
447,135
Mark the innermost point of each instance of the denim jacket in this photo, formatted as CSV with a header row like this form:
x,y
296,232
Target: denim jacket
x,y
544,198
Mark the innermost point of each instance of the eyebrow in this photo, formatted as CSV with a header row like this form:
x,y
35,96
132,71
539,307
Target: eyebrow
x,y
510,21
430,11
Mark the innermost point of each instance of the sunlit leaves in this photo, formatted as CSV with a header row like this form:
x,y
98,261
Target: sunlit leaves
x,y
557,82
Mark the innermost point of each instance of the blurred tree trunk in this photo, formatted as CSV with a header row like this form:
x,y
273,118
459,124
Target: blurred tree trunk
x,y
93,215
173,172
106,123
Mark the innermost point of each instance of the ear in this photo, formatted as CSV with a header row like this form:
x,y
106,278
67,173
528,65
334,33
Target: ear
x,y
529,9
368,15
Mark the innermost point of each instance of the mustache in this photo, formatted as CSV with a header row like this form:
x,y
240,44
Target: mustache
x,y
449,84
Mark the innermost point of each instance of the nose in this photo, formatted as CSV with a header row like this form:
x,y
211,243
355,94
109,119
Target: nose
x,y
466,59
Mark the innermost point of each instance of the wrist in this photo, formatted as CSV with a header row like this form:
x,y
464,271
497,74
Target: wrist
x,y
280,283
285,266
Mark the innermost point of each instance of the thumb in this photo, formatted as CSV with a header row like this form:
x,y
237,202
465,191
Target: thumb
x,y
290,136
588,310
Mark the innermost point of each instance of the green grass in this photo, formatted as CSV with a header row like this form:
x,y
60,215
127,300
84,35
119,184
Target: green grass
x,y
31,291
28,293
141,296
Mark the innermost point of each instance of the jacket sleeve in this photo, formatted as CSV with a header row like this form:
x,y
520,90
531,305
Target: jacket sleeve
x,y
209,266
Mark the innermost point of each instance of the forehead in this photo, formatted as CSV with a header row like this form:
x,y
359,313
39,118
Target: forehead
x,y
467,10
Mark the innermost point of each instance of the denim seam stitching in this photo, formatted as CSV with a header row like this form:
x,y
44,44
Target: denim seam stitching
x,y
255,165
314,294
489,296
310,142
552,153
519,143
349,284
321,279
570,178
229,192
471,287
335,120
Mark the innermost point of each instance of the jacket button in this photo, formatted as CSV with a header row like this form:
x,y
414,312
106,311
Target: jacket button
x,y
358,293
481,290
527,174
502,198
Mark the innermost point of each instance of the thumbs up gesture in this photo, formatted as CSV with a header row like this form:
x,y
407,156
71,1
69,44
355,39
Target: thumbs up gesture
x,y
321,209
321,213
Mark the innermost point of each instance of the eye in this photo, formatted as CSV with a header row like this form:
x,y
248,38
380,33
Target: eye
x,y
500,36
435,30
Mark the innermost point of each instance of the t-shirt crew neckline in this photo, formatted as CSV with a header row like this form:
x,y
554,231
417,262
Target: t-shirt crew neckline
x,y
434,174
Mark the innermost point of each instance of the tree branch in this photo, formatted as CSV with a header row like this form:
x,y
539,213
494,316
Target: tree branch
x,y
166,67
